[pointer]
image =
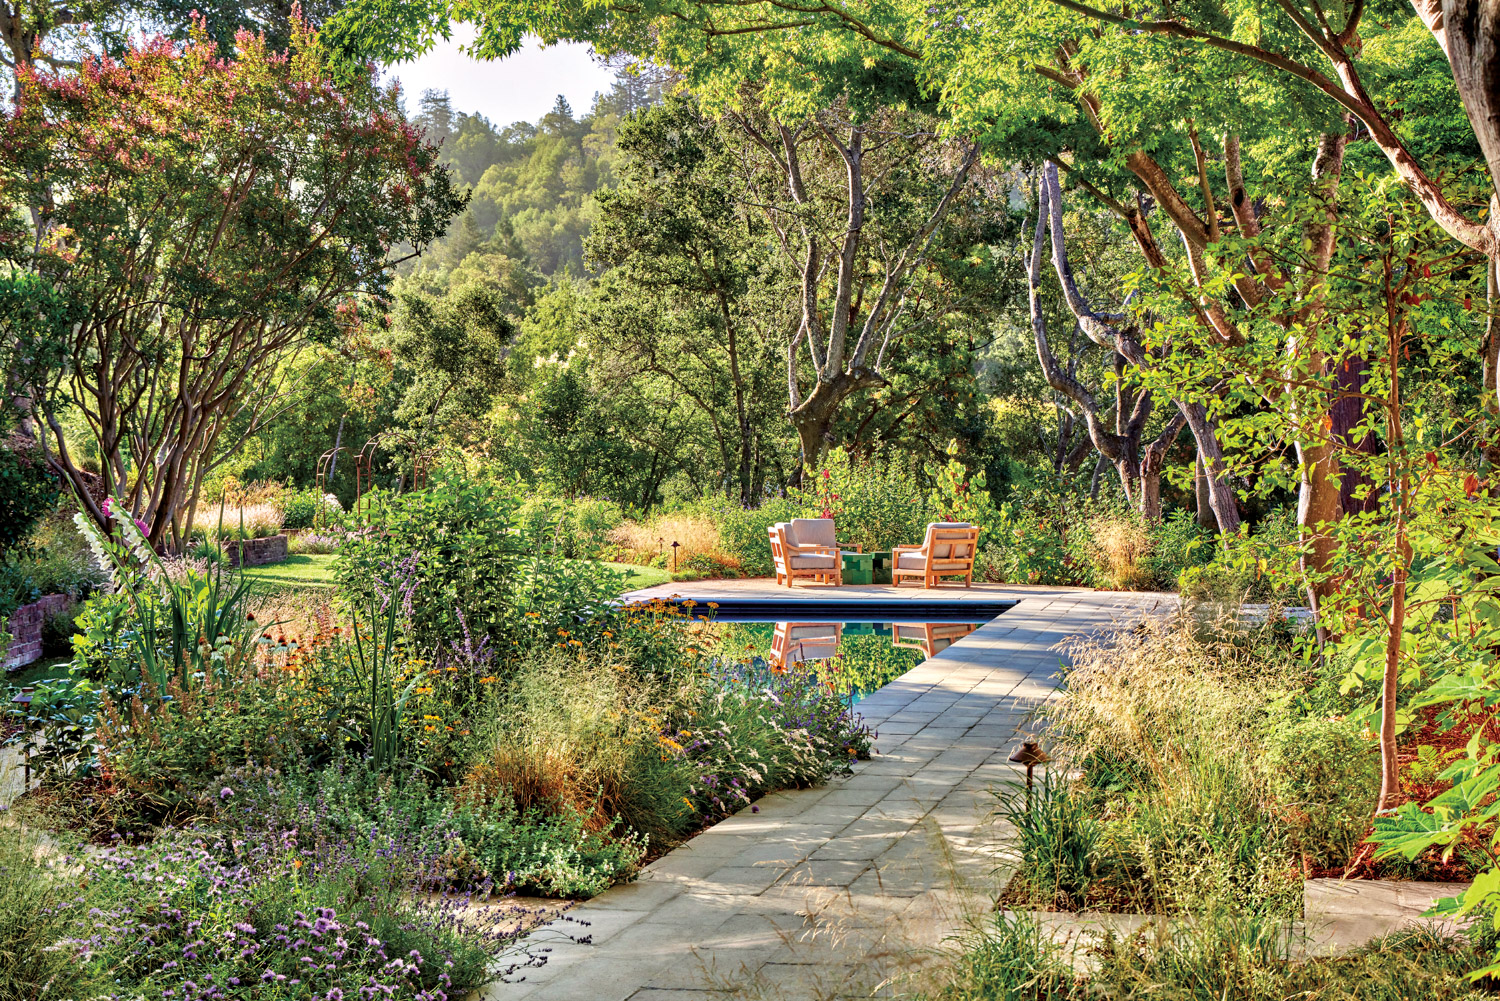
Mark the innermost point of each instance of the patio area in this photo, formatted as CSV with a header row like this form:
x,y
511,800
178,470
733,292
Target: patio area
x,y
833,892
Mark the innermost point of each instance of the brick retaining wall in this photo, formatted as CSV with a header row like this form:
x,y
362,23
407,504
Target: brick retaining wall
x,y
25,627
256,552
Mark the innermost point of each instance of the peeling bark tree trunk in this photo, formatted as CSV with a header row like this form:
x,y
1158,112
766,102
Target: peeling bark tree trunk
x,y
1347,412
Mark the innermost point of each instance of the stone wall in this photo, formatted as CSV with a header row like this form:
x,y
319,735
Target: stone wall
x,y
25,628
256,552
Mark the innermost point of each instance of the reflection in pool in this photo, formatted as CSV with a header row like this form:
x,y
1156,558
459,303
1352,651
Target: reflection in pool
x,y
854,658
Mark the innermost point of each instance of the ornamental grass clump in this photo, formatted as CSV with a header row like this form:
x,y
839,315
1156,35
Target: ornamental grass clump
x,y
40,907
1121,547
571,736
1165,725
251,521
651,541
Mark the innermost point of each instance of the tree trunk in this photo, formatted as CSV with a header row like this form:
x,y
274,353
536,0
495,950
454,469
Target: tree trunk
x,y
1317,507
1150,500
1347,412
1400,483
1221,495
815,416
1202,498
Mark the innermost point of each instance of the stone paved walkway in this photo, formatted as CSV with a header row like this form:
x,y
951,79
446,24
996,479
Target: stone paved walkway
x,y
847,889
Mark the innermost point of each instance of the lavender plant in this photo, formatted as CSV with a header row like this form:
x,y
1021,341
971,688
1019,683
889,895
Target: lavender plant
x,y
242,919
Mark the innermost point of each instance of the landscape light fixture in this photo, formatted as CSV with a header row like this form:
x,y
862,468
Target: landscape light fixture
x,y
23,699
675,544
1030,754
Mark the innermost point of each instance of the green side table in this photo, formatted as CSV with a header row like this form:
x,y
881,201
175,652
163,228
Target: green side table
x,y
881,572
858,568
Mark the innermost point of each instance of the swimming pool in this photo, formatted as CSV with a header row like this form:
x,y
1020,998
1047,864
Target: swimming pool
x,y
855,657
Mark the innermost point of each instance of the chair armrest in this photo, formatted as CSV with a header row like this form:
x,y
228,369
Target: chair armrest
x,y
906,549
851,545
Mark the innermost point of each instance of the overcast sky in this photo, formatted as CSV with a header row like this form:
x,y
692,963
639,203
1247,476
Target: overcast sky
x,y
521,88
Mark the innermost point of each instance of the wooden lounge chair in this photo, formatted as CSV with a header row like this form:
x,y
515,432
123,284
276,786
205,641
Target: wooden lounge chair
x,y
805,548
947,551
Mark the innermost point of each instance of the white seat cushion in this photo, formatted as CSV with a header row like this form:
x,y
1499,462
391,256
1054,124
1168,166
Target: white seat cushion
x,y
911,561
813,562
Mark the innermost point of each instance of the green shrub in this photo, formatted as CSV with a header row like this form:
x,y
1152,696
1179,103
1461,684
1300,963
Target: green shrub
x,y
1237,574
1199,840
28,490
1229,955
39,908
567,737
539,520
590,520
557,854
742,531
463,533
1325,777
1178,544
876,507
959,496
58,630
106,646
302,508
578,528
56,730
17,583
162,753
1027,548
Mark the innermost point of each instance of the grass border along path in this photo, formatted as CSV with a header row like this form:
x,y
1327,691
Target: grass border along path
x,y
315,571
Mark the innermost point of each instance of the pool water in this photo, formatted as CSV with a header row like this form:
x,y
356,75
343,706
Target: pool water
x,y
855,658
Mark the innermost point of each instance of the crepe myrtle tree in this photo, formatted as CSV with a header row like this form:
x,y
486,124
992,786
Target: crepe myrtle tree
x,y
205,214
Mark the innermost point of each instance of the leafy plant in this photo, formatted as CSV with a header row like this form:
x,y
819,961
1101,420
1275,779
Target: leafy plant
x,y
1057,851
28,490
463,531
374,680
1324,774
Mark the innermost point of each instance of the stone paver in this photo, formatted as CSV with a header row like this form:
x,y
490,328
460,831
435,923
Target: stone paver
x,y
840,891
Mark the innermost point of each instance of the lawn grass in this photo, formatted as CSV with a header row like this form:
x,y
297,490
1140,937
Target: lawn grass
x,y
299,572
316,571
638,576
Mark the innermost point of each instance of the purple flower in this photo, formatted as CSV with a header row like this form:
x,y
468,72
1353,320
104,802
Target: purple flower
x,y
225,792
